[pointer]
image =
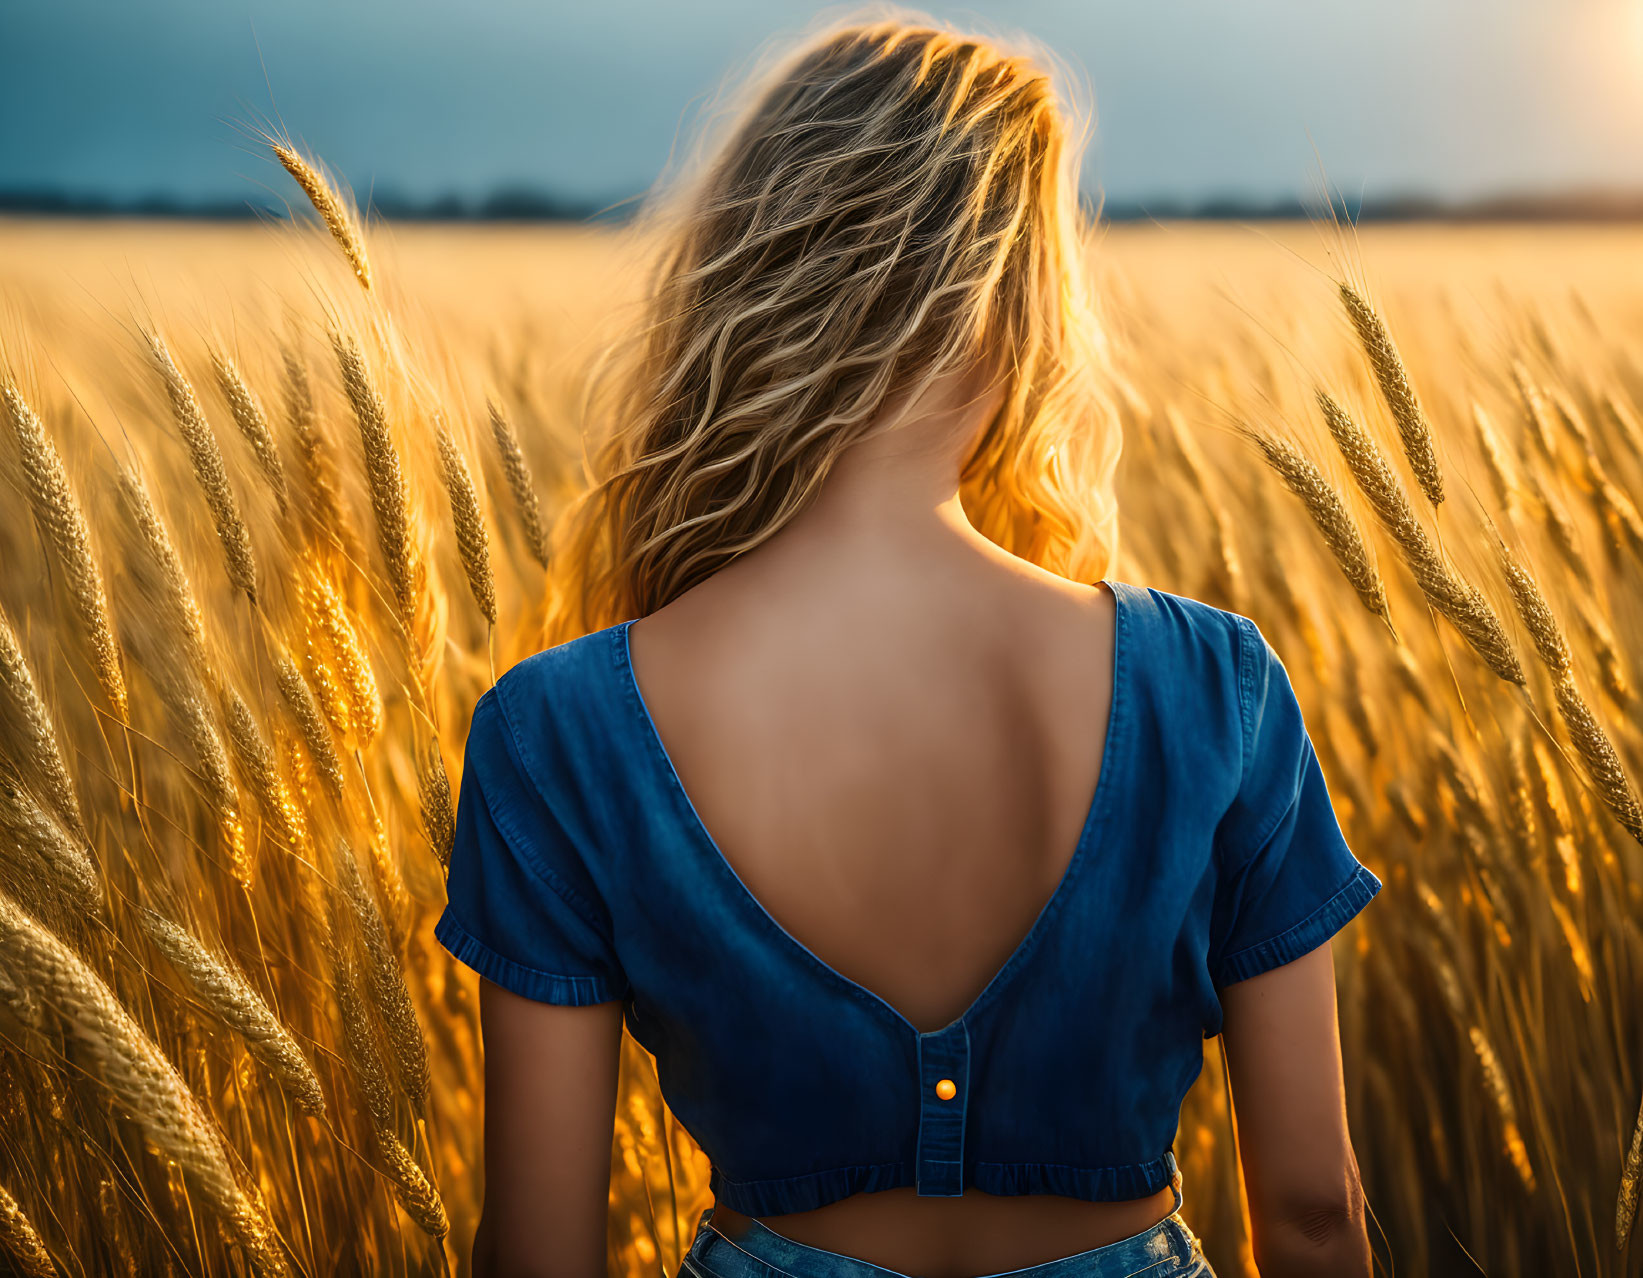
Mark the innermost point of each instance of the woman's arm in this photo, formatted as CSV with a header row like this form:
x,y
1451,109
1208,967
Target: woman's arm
x,y
550,1107
1283,1050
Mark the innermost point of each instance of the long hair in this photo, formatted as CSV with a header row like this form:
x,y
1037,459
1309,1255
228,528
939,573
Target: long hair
x,y
893,201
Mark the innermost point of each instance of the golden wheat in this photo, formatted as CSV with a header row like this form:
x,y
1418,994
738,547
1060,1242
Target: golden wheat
x,y
226,994
1488,1001
146,1085
1449,594
19,1238
520,483
206,456
338,216
57,513
1393,380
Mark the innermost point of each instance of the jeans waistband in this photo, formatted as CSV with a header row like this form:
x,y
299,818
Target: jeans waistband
x,y
763,1253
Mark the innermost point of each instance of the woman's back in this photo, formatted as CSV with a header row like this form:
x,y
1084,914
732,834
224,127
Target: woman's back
x,y
899,765
899,768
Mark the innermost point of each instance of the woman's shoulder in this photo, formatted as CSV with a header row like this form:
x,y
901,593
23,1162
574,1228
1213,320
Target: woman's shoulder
x,y
555,704
565,669
1193,623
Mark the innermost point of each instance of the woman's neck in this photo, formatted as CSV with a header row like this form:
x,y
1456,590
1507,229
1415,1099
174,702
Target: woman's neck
x,y
896,492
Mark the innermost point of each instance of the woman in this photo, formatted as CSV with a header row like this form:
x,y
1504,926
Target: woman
x,y
922,868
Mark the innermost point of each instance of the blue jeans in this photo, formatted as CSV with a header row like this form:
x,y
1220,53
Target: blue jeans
x,y
1167,1250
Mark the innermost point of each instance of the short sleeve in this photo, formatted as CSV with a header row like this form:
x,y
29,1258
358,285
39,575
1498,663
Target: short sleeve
x,y
1287,879
522,909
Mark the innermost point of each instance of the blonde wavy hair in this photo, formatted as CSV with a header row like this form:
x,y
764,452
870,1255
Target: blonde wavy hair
x,y
893,201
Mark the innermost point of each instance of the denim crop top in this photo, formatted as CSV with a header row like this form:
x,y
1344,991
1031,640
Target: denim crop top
x,y
1210,853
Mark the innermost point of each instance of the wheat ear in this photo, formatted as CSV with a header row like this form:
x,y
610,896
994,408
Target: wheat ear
x,y
387,980
336,213
19,1237
1393,380
438,815
390,499
1591,742
416,1193
411,1186
117,1052
316,736
67,862
1456,599
224,991
39,745
1534,411
253,424
325,511
1329,513
1500,1093
338,662
176,592
472,541
206,457
57,512
260,772
1631,1175
214,776
521,483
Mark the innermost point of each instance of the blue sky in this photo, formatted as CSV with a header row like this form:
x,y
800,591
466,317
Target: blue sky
x,y
1194,98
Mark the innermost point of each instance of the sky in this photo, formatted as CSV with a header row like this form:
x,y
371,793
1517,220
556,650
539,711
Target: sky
x,y
1194,99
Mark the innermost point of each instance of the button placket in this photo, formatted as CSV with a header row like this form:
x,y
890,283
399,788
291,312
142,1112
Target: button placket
x,y
944,1095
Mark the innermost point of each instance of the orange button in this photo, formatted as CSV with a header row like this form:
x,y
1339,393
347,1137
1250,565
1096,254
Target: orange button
x,y
946,1090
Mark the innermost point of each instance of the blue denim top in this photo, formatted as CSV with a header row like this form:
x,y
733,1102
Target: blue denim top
x,y
1211,852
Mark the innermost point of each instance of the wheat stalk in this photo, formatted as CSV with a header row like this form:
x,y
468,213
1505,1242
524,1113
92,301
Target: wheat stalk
x,y
1534,411
146,1085
520,482
1631,1175
1454,598
206,458
58,514
67,862
390,499
1329,513
333,210
248,416
182,608
310,721
416,1194
472,541
1393,380
18,1236
39,747
349,693
226,994
438,814
387,980
260,772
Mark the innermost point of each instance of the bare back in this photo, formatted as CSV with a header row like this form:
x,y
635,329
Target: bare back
x,y
899,770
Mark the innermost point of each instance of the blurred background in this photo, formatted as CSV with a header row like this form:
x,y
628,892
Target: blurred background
x,y
523,108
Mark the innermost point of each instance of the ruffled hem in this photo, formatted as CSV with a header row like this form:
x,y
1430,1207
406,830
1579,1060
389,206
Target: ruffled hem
x,y
1311,932
803,1193
527,982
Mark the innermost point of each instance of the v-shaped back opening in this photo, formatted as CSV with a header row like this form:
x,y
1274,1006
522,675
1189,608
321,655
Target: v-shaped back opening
x,y
1100,803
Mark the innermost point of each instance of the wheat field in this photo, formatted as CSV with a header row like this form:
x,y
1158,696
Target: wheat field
x,y
274,514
